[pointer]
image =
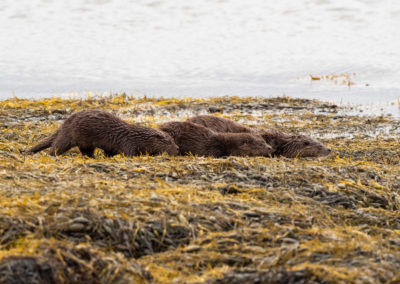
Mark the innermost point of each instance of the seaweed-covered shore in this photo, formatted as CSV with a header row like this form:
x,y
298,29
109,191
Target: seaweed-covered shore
x,y
161,219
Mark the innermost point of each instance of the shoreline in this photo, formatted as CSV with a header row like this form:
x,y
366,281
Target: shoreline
x,y
377,108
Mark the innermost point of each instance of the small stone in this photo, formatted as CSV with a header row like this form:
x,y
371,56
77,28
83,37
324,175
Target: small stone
x,y
59,111
212,219
214,109
192,248
81,220
76,227
250,214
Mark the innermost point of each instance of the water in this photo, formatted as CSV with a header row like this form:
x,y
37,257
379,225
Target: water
x,y
202,48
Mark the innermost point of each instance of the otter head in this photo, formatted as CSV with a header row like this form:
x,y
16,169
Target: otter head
x,y
246,144
162,142
301,146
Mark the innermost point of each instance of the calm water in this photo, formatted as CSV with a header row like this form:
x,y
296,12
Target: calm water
x,y
202,48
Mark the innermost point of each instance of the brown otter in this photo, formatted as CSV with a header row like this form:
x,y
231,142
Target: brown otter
x,y
199,140
89,129
285,144
293,145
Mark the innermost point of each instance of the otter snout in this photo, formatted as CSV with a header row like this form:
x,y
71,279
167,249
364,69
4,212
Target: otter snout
x,y
323,150
174,150
268,150
262,150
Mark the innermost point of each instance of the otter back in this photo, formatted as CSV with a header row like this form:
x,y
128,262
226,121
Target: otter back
x,y
199,140
90,129
220,124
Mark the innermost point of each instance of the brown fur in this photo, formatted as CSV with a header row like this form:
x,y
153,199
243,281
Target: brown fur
x,y
288,145
293,145
199,140
220,124
90,129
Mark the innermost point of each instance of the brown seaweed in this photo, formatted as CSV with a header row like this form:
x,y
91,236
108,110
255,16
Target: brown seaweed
x,y
195,219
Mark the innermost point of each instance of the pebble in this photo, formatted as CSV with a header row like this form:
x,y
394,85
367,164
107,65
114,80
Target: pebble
x,y
192,248
212,219
250,214
76,227
214,109
82,220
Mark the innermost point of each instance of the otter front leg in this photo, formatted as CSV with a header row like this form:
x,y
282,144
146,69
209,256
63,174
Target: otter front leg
x,y
87,151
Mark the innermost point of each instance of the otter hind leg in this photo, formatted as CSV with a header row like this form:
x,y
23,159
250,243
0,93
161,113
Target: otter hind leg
x,y
59,149
87,151
61,144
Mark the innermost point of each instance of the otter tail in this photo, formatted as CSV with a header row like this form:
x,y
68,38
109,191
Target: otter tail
x,y
46,143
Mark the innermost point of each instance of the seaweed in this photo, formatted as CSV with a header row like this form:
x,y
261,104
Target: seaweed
x,y
162,219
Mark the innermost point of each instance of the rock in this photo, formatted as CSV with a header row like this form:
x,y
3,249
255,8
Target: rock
x,y
214,109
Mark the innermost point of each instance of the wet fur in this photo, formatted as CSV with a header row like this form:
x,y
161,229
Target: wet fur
x,y
90,129
220,124
199,140
283,144
293,145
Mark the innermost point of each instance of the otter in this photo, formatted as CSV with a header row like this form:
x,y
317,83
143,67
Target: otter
x,y
283,144
90,129
199,140
293,145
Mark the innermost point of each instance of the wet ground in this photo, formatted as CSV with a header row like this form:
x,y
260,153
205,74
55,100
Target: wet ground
x,y
167,219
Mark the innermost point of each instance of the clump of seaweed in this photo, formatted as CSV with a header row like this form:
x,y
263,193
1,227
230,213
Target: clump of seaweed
x,y
338,79
49,261
273,276
189,219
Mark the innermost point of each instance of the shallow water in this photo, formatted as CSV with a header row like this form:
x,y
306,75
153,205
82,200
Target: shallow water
x,y
202,48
